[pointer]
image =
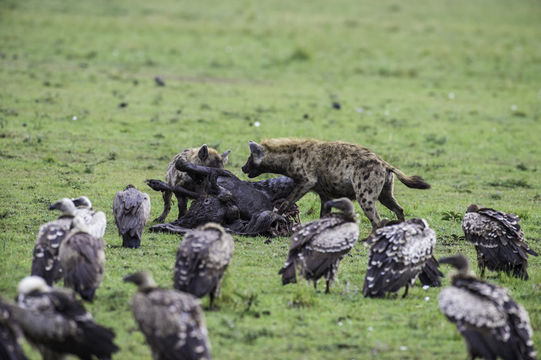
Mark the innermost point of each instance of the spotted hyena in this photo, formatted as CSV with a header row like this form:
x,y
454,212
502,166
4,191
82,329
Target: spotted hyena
x,y
332,170
204,156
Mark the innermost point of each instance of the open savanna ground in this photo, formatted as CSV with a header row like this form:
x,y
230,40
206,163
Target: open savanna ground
x,y
449,90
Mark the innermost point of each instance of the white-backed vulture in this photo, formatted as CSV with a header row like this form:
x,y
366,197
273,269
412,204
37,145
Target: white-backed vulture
x,y
398,254
498,239
317,247
82,257
10,348
57,324
493,325
202,258
131,209
95,221
172,321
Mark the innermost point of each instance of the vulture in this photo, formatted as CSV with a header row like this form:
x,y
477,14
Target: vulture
x,y
172,321
131,209
10,349
45,261
95,221
317,247
491,322
82,258
57,324
498,240
202,258
398,254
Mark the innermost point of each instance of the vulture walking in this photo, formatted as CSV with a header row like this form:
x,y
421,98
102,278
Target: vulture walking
x,y
58,325
398,254
82,258
493,325
131,209
498,240
10,349
202,258
317,247
172,321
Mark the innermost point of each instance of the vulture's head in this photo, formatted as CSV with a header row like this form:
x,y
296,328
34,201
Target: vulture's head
x,y
65,205
472,208
344,204
142,279
459,262
82,202
32,283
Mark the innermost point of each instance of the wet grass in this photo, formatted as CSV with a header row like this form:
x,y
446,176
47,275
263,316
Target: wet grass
x,y
446,90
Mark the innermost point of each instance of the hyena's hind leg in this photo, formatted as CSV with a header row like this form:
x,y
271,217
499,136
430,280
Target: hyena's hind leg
x,y
387,199
166,206
366,194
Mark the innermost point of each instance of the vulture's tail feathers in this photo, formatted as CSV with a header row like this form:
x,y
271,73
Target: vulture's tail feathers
x,y
431,275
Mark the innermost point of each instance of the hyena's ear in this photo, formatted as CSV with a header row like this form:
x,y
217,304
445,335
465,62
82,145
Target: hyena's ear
x,y
225,156
203,152
257,152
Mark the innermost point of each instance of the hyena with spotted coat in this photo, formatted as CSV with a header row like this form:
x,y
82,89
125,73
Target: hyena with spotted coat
x,y
204,156
332,170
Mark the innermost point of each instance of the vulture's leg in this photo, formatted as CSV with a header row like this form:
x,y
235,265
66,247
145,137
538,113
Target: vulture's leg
x,y
315,284
327,291
406,292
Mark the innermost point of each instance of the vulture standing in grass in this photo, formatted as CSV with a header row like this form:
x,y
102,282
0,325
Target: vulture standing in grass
x,y
493,325
95,221
10,349
82,258
202,258
498,239
317,247
398,254
45,261
172,321
58,325
131,209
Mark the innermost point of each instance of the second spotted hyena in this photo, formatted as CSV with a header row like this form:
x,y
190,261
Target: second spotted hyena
x,y
332,170
204,156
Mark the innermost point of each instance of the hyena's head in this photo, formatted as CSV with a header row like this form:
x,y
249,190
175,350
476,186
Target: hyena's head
x,y
211,158
253,166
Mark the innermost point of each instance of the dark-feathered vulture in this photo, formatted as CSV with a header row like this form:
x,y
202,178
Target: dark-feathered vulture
x,y
317,247
10,349
82,258
172,321
57,324
202,258
398,254
95,221
45,261
131,209
498,239
493,325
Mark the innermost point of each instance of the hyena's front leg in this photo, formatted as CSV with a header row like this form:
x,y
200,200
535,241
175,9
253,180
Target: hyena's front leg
x,y
298,192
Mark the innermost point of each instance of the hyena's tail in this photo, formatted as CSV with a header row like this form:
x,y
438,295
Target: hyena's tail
x,y
414,181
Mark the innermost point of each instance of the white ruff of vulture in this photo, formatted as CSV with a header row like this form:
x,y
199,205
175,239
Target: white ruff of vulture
x,y
172,321
317,247
95,221
398,254
57,324
131,209
202,258
10,348
491,322
45,261
499,241
82,257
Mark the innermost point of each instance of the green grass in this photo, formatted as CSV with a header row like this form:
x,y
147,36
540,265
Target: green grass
x,y
449,90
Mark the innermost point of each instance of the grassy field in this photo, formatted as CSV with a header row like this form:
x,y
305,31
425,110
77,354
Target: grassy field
x,y
449,90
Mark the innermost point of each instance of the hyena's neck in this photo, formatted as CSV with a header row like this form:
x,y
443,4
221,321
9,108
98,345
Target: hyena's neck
x,y
276,163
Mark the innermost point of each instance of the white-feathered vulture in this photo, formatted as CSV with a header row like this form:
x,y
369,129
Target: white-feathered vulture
x,y
57,324
95,221
45,261
131,209
202,258
82,257
493,325
498,239
172,321
10,348
398,254
317,247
